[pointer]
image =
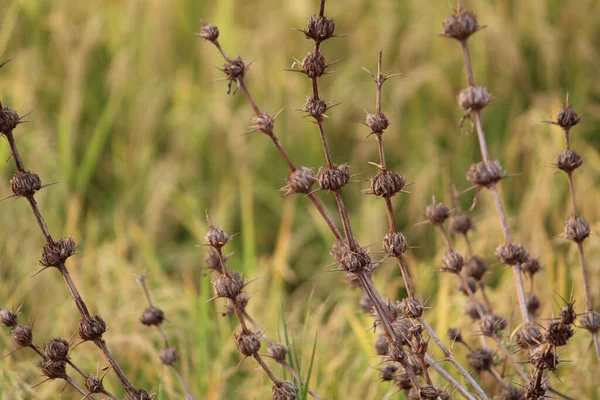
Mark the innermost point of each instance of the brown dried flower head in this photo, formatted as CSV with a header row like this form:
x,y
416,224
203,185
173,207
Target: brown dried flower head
x,y
377,122
566,117
412,307
402,327
452,262
92,328
9,119
481,359
366,304
284,391
394,244
53,369
403,381
475,267
216,237
568,161
263,123
209,32
461,25
472,311
590,321
492,324
381,345
235,69
247,343
544,357
25,183
299,181
22,335
386,184
333,178
319,28
214,261
512,253
461,223
474,98
152,316
577,229
241,301
454,335
568,314
356,261
558,333
437,213
168,356
57,349
529,336
315,107
531,266
388,372
56,253
313,65
485,174
229,284
430,392
8,318
532,302
278,351
94,384
140,394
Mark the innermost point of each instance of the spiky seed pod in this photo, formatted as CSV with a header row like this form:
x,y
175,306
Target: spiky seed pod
x,y
512,393
532,302
209,32
437,213
544,357
319,28
25,183
472,311
168,356
558,333
492,324
93,384
152,316
263,123
235,69
22,335
396,352
430,392
356,262
402,328
53,369
388,372
485,174
381,345
529,336
313,64
461,223
8,318
461,25
403,381
315,107
278,351
474,98
468,286
214,261
377,122
481,359
475,267
339,248
56,253
568,161
452,262
140,394
366,304
386,184
9,119
512,253
285,391
247,343
590,321
394,244
412,307
92,328
567,118
577,229
333,178
531,266
299,181
568,314
454,335
57,349
229,284
216,237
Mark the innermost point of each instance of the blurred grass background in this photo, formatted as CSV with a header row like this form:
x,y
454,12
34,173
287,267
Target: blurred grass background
x,y
125,119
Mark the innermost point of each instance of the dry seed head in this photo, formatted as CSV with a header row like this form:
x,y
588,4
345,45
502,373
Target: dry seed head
x,y
558,334
278,351
57,349
388,372
468,286
452,262
403,381
386,184
152,316
216,237
381,345
229,284
25,183
412,307
93,384
285,391
396,352
315,107
402,327
313,65
299,181
333,178
492,324
512,253
529,336
535,391
241,301
567,118
356,262
339,248
474,98
481,359
454,335
8,318
264,123
235,69
247,343
472,311
532,302
319,28
92,328
531,266
485,174
437,213
377,122
512,393
568,314
590,321
53,369
461,223
577,229
22,335
366,304
544,357
214,261
568,161
56,253
168,356
475,267
9,119
209,32
394,244
461,25
430,392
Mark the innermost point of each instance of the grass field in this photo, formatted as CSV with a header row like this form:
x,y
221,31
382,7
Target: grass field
x,y
124,117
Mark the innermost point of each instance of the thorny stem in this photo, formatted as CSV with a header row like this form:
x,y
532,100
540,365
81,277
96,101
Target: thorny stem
x,y
81,306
